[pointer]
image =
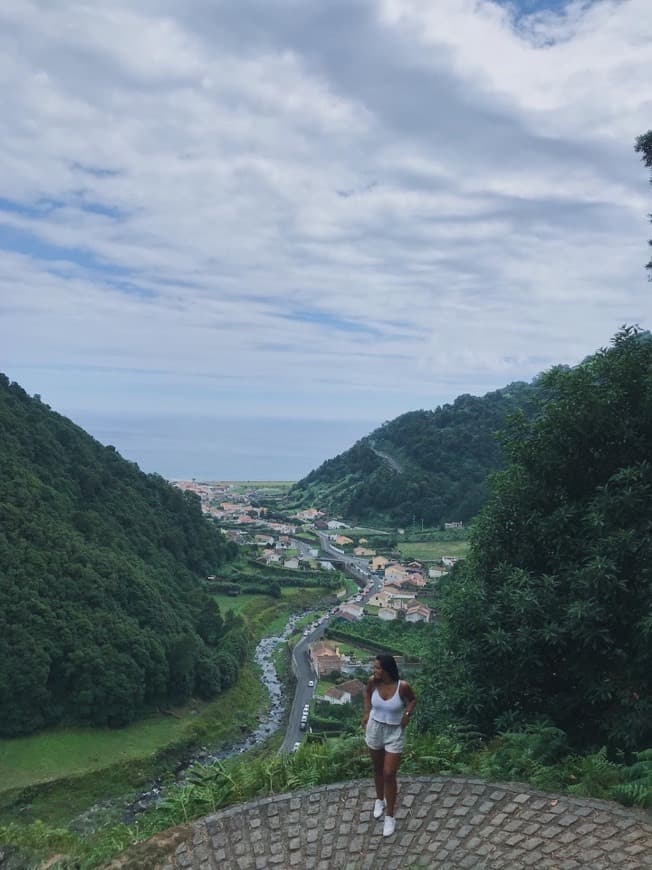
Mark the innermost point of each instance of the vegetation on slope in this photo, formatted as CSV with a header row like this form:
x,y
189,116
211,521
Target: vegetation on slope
x,y
551,615
102,614
439,468
539,755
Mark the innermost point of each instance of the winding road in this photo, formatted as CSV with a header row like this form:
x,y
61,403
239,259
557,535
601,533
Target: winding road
x,y
303,670
393,464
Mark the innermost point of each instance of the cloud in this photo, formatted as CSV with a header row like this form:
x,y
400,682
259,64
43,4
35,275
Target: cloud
x,y
383,202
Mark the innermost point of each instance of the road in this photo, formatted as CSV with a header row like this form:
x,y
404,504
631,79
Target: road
x,y
303,666
303,694
393,464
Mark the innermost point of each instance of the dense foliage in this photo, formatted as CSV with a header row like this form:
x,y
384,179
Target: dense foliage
x,y
395,636
444,457
643,145
551,616
540,756
102,615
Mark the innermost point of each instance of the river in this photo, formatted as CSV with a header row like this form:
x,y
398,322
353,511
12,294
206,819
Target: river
x,y
270,722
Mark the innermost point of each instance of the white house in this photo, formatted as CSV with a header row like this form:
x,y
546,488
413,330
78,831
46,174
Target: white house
x,y
387,614
417,613
436,572
337,696
354,610
336,524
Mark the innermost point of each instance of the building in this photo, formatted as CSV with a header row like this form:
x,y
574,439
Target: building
x,y
309,514
436,572
378,563
396,573
326,658
355,611
387,614
417,612
337,696
355,688
416,578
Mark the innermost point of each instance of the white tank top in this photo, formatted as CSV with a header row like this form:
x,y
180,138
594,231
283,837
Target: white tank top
x,y
391,711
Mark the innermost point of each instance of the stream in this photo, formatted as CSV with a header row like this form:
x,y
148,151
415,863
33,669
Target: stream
x,y
269,722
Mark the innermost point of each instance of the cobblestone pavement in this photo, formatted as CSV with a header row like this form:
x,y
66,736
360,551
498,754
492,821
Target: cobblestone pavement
x,y
441,823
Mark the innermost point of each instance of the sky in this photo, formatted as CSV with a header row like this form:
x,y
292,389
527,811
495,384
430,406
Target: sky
x,y
237,236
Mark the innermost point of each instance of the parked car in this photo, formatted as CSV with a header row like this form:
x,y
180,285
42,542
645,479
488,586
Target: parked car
x,y
296,746
311,683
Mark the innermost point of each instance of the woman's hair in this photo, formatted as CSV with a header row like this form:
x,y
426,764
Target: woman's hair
x,y
388,664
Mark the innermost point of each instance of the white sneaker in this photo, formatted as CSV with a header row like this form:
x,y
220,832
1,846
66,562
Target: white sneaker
x,y
389,827
379,808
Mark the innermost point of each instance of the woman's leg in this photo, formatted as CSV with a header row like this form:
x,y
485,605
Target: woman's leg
x,y
390,767
378,760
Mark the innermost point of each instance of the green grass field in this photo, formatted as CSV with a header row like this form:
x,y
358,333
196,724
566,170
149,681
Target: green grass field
x,y
104,761
432,551
246,485
69,752
242,604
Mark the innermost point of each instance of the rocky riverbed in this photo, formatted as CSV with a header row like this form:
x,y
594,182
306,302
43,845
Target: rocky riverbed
x,y
269,722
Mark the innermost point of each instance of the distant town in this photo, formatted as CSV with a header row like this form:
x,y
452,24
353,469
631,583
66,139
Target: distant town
x,y
390,588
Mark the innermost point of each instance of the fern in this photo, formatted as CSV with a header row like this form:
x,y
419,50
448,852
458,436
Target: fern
x,y
636,790
596,775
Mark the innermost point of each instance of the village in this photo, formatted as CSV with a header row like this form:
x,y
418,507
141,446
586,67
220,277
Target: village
x,y
389,588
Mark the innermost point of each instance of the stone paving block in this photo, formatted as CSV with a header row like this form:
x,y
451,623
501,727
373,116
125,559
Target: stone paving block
x,y
442,823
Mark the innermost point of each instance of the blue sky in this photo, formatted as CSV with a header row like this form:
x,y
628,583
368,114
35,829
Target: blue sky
x,y
299,210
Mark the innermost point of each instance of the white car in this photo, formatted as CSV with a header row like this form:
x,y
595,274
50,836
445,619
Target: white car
x,y
296,746
311,683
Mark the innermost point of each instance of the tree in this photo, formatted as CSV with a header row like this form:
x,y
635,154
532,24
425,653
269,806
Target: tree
x,y
551,616
643,145
103,616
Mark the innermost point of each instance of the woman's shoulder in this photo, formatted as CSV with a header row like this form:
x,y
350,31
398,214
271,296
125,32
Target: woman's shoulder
x,y
405,689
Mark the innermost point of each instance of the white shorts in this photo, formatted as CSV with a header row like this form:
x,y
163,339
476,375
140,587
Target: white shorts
x,y
380,735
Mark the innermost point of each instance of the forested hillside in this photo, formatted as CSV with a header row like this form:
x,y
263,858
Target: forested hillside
x,y
550,617
102,615
429,466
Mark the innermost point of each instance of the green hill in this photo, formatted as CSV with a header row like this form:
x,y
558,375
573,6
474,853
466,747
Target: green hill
x,y
429,466
102,613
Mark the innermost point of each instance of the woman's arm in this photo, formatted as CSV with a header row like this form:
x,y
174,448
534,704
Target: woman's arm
x,y
410,699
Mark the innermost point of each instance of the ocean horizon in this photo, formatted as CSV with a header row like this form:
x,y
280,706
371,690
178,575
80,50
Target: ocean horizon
x,y
180,447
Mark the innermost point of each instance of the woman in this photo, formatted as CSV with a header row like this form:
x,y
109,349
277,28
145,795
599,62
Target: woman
x,y
388,704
